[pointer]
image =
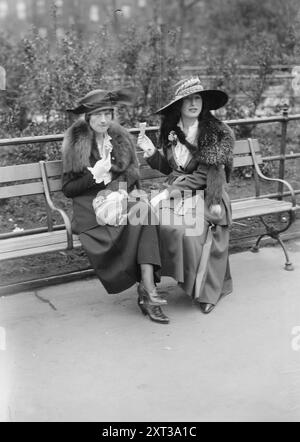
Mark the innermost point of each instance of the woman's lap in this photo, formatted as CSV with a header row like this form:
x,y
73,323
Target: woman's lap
x,y
190,259
116,252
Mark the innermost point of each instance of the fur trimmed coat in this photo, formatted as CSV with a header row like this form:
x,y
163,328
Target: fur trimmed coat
x,y
79,151
210,165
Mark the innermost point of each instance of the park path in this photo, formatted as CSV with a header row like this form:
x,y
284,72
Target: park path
x,y
73,353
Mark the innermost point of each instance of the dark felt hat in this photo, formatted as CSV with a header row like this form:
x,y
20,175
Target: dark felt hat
x,y
101,99
213,98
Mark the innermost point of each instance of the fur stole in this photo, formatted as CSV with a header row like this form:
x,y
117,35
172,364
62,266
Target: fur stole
x,y
79,146
215,144
214,148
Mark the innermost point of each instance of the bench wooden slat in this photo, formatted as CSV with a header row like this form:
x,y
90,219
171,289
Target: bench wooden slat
x,y
240,211
246,160
20,172
258,202
241,147
21,190
35,244
25,242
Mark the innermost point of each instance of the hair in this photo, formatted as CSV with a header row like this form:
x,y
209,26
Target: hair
x,y
170,120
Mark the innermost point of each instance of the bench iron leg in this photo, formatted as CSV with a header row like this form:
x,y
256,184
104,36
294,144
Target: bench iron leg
x,y
275,234
255,249
288,265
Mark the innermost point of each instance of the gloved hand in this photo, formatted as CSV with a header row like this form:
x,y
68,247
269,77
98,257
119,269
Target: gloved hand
x,y
101,170
146,145
216,210
158,198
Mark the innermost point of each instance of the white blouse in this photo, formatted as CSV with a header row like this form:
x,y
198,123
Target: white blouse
x,y
105,162
181,153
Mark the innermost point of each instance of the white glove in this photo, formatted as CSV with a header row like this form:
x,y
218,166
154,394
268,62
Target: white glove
x,y
101,170
158,198
216,210
146,145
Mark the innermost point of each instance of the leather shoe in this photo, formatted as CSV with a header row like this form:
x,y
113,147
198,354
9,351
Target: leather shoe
x,y
153,298
154,312
206,308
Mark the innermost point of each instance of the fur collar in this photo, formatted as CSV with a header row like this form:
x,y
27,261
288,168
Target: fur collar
x,y
215,144
79,145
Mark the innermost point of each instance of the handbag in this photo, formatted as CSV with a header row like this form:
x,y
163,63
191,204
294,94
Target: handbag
x,y
111,209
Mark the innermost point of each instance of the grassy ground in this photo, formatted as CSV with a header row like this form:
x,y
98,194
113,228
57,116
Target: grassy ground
x,y
29,212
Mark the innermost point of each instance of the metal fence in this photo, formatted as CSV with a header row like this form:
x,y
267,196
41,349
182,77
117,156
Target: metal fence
x,y
284,120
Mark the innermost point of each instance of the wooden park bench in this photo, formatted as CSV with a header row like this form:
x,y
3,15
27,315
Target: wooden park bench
x,y
44,178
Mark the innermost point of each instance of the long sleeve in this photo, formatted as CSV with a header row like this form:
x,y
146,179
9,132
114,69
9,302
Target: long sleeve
x,y
208,178
159,162
75,184
193,181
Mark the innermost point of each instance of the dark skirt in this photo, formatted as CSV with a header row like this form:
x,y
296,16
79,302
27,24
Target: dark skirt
x,y
116,253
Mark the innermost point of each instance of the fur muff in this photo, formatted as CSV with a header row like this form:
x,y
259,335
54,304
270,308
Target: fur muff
x,y
79,145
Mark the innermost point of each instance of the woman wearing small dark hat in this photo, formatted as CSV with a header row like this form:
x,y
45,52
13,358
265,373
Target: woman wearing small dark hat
x,y
196,152
99,155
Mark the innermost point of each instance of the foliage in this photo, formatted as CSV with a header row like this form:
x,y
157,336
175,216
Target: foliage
x,y
46,77
148,61
44,81
233,23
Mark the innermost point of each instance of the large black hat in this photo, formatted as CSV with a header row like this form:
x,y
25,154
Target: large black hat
x,y
101,99
213,98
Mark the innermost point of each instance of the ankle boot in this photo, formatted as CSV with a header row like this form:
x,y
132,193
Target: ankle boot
x,y
154,312
153,297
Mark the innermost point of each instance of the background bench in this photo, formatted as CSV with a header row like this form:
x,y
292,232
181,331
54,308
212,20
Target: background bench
x,y
44,178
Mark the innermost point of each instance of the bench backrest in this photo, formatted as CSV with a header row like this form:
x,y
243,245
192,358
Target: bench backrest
x,y
11,176
31,176
242,153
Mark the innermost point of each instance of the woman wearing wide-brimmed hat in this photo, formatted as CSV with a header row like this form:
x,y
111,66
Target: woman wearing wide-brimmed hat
x,y
100,169
196,152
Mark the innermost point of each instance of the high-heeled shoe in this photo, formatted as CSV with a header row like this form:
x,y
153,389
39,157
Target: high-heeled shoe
x,y
153,297
154,312
206,308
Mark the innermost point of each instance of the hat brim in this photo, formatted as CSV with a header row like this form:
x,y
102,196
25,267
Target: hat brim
x,y
214,99
100,99
85,110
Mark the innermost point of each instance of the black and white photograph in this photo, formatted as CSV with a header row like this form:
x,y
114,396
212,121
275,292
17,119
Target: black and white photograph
x,y
149,214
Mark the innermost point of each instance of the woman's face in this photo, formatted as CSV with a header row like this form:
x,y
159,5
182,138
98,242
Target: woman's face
x,y
101,120
192,106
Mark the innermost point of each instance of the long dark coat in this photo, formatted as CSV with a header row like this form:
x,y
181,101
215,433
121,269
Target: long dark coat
x,y
114,252
79,151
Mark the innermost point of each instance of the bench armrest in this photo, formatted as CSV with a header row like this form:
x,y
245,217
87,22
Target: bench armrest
x,y
53,207
265,178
